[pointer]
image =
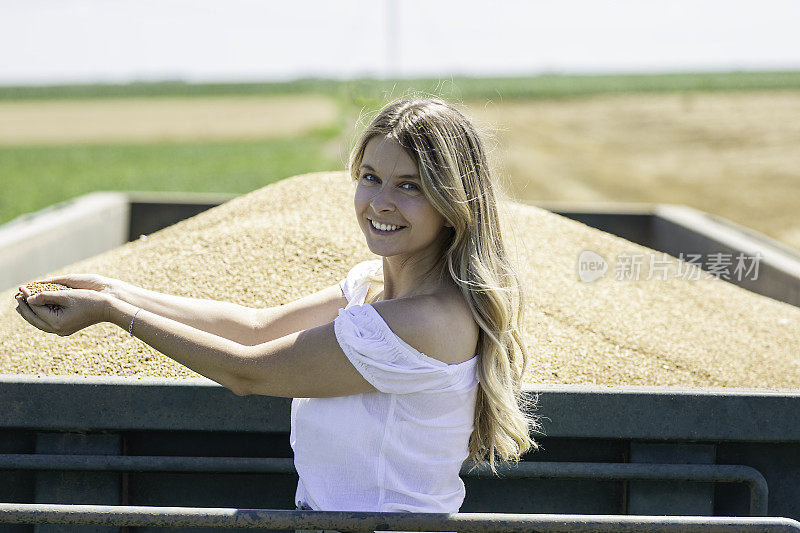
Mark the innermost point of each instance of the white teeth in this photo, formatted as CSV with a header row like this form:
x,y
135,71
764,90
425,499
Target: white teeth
x,y
384,227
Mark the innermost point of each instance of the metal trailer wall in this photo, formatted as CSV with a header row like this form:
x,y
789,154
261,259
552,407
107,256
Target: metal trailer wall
x,y
198,418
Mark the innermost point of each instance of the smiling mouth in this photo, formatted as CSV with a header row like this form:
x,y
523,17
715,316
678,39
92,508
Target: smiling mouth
x,y
384,232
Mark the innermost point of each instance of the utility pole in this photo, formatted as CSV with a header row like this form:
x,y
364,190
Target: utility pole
x,y
392,40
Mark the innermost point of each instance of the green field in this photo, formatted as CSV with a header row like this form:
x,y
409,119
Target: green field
x,y
39,176
371,90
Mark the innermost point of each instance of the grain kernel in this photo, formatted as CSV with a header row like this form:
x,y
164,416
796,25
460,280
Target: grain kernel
x,y
36,287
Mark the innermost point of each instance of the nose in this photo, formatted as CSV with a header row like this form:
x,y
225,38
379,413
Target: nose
x,y
382,202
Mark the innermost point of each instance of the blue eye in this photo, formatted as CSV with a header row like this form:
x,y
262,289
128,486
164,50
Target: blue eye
x,y
372,179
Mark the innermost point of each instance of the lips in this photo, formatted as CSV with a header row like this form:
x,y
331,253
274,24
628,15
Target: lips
x,y
382,232
386,223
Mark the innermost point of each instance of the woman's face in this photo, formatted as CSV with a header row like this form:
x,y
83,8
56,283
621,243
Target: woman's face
x,y
389,191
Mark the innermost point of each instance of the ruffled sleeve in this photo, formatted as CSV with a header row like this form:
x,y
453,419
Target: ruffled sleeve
x,y
387,362
354,283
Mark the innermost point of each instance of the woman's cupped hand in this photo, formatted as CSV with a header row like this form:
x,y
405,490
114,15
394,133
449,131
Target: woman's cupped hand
x,y
94,282
63,312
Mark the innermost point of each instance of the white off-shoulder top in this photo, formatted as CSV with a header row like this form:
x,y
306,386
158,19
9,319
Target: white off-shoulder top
x,y
398,449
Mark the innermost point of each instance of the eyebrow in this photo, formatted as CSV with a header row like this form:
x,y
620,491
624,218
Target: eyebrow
x,y
404,176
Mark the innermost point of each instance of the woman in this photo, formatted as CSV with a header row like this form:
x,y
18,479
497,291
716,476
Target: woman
x,y
397,378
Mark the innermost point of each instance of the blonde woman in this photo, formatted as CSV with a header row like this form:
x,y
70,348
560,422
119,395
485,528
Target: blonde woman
x,y
403,370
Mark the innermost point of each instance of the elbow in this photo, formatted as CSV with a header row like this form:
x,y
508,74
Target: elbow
x,y
237,384
238,388
235,378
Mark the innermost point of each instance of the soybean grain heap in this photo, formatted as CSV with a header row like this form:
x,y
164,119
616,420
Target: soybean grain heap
x,y
299,235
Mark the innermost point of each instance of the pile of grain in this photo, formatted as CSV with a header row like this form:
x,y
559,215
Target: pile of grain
x,y
285,240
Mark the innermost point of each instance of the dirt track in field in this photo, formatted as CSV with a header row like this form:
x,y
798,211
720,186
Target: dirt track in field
x,y
162,119
736,155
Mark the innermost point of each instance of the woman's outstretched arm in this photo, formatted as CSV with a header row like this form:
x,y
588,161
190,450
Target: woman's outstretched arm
x,y
227,320
308,363
210,355
64,312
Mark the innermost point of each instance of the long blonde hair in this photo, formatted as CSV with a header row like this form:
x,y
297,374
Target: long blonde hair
x,y
457,181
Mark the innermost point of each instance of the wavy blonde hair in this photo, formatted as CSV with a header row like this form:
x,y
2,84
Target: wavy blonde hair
x,y
457,181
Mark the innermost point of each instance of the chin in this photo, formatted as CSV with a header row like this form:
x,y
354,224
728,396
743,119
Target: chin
x,y
380,252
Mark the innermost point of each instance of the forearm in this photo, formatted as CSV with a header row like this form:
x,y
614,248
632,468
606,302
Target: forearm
x,y
212,356
224,319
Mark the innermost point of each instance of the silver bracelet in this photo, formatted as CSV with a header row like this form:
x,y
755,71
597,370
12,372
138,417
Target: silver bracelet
x,y
130,328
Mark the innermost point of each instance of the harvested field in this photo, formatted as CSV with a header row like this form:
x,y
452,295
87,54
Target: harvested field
x,y
256,250
732,154
162,119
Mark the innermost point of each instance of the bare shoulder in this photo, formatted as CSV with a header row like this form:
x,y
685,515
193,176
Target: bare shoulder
x,y
440,326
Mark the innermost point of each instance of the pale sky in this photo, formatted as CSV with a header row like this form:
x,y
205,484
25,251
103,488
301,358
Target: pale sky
x,y
74,41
